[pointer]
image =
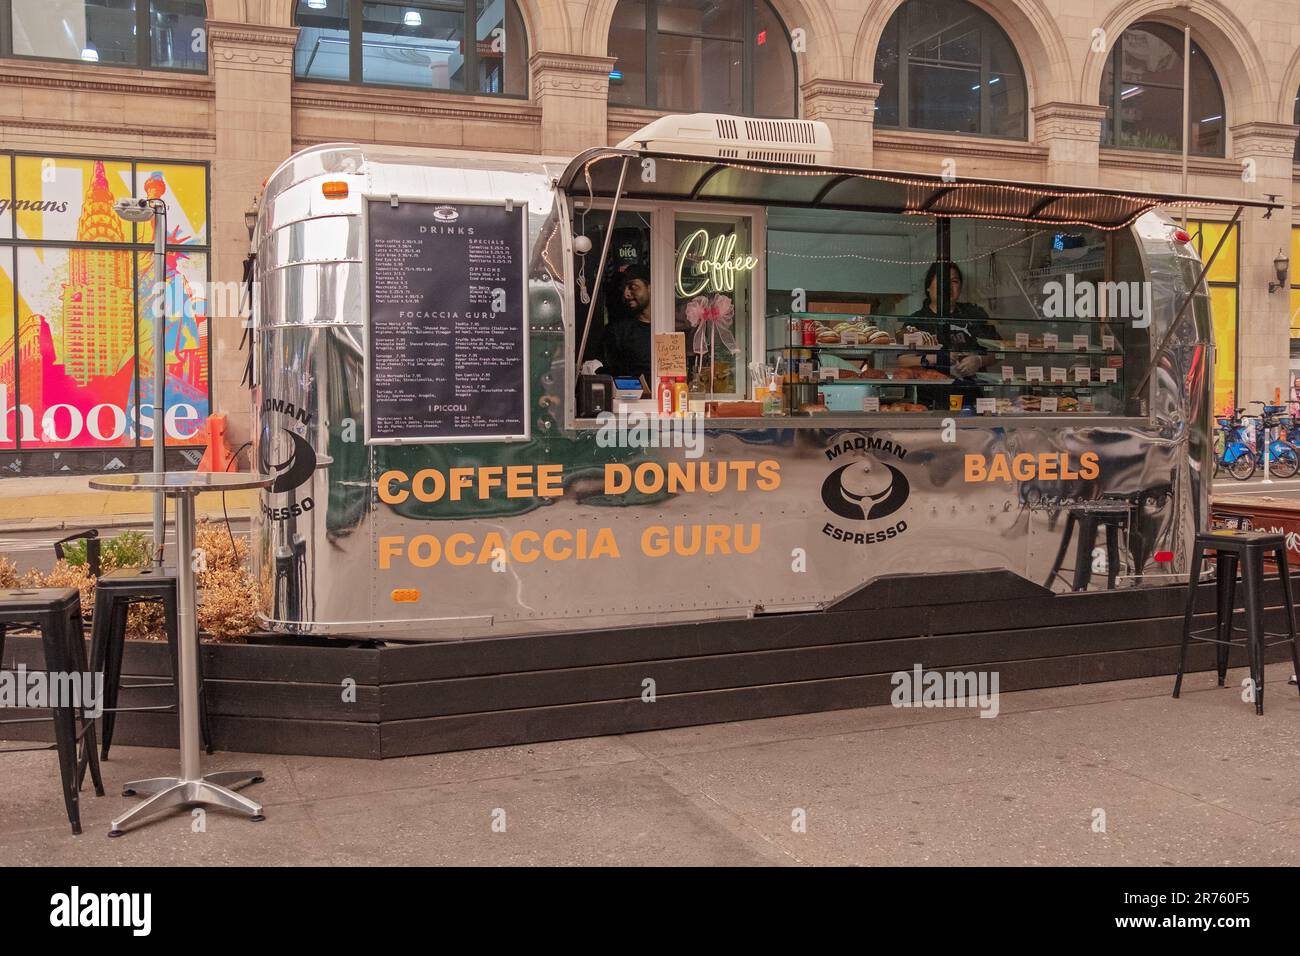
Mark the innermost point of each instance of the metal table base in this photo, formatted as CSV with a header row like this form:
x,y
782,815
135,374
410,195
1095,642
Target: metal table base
x,y
192,787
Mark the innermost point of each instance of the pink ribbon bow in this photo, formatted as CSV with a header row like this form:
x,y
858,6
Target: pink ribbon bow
x,y
709,317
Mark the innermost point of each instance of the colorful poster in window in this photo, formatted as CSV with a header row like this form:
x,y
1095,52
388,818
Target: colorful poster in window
x,y
186,341
70,199
6,199
9,362
76,329
185,191
75,321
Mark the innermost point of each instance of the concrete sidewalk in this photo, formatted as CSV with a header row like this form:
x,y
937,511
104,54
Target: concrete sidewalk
x,y
1195,781
42,504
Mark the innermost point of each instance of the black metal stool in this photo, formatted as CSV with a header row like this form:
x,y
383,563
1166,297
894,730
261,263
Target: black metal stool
x,y
1231,549
1090,516
56,612
115,592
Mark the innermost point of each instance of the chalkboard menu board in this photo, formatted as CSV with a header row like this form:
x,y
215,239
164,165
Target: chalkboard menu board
x,y
446,354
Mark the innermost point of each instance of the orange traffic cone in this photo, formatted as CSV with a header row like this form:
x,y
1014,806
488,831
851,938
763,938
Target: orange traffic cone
x,y
217,454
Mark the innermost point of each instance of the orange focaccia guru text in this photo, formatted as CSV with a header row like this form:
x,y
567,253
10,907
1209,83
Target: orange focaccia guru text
x,y
1052,466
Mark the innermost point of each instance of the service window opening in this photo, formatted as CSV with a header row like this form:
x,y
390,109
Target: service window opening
x,y
619,325
889,313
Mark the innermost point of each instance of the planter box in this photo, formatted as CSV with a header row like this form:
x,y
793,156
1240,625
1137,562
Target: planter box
x,y
316,697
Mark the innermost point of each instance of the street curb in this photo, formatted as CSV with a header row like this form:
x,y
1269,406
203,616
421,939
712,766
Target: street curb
x,y
105,521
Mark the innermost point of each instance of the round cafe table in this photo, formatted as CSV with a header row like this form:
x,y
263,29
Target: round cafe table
x,y
191,787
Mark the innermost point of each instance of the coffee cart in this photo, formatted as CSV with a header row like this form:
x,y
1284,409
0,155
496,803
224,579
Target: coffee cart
x,y
424,318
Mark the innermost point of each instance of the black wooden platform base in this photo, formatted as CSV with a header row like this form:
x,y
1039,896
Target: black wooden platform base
x,y
281,695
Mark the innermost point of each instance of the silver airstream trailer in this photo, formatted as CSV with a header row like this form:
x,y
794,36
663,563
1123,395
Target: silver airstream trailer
x,y
459,360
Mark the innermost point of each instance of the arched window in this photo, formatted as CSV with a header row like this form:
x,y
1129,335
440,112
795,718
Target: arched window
x,y
714,56
945,65
1142,90
419,44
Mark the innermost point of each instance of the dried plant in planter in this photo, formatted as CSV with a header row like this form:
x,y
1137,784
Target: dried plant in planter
x,y
9,577
228,596
227,592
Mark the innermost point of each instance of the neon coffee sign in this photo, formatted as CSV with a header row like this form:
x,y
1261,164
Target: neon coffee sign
x,y
714,264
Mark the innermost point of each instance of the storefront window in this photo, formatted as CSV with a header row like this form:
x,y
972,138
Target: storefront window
x,y
475,46
78,303
1295,282
1142,90
1222,283
720,56
155,34
945,65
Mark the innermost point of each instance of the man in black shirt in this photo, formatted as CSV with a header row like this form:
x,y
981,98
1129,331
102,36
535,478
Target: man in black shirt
x,y
628,343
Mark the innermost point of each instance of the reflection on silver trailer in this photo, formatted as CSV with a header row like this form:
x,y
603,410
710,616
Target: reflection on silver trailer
x,y
776,514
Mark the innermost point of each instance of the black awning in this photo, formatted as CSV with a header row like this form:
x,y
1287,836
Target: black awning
x,y
678,178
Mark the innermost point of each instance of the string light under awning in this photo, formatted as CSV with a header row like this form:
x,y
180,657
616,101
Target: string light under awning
x,y
683,178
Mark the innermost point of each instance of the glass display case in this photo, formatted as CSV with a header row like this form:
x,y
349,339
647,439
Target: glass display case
x,y
845,362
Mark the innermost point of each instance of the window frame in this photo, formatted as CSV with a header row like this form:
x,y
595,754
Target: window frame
x,y
143,35
903,82
1113,95
663,255
748,22
356,66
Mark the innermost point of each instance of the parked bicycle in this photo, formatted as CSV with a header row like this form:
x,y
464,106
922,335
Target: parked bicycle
x,y
1240,453
1233,453
1283,457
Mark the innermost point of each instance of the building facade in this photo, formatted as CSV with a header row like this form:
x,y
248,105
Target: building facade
x,y
201,101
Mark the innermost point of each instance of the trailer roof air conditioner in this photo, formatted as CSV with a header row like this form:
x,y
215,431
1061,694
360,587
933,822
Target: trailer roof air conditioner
x,y
717,135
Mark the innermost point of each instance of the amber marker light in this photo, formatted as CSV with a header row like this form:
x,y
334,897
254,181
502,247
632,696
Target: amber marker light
x,y
405,595
335,189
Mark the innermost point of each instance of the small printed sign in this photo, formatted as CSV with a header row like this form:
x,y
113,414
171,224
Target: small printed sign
x,y
1048,403
1107,374
851,338
1082,373
986,406
1058,375
954,403
1008,373
1033,373
1050,341
828,373
1081,343
1108,342
1022,340
913,339
1114,361
871,403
